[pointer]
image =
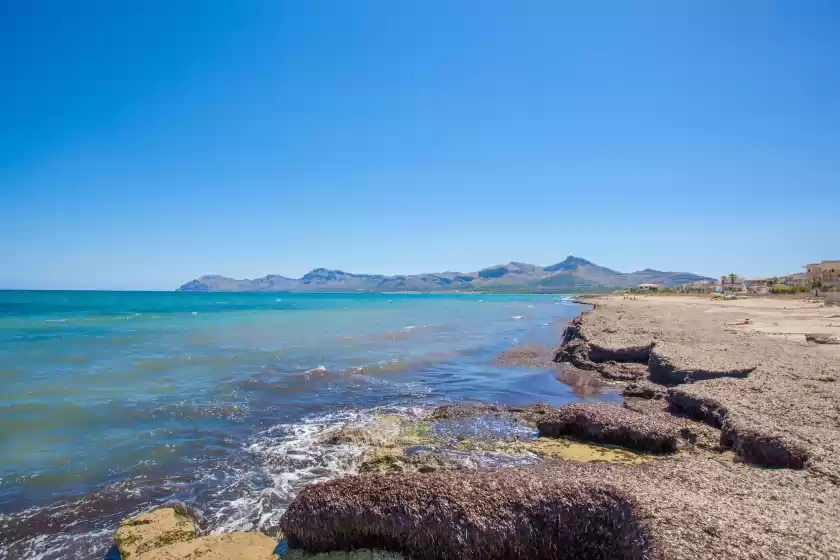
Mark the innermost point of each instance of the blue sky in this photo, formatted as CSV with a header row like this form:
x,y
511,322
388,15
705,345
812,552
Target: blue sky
x,y
143,144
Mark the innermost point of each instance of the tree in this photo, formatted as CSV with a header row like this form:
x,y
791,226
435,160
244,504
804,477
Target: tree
x,y
775,280
732,277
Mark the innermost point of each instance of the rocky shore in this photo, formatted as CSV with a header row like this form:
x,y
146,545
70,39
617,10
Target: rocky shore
x,y
726,446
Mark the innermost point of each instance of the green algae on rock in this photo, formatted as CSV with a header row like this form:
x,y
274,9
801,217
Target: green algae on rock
x,y
169,534
394,459
384,431
559,448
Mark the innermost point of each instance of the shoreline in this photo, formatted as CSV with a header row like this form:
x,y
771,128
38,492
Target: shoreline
x,y
749,467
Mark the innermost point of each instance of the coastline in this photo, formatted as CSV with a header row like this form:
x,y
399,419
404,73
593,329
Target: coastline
x,y
749,408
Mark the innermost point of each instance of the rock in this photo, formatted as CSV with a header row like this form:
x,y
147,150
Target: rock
x,y
226,546
613,425
385,431
381,432
157,528
394,459
529,414
456,411
822,338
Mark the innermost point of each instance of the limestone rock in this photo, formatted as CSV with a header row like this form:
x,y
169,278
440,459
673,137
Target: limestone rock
x,y
151,530
227,546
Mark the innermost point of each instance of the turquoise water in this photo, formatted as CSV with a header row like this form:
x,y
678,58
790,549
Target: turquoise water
x,y
112,401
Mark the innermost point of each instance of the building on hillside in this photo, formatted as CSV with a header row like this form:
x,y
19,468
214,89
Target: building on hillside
x,y
651,287
824,275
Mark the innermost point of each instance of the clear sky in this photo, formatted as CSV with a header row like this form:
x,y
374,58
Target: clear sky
x,y
143,144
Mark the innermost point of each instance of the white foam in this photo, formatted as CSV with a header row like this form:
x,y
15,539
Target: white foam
x,y
317,369
292,456
517,317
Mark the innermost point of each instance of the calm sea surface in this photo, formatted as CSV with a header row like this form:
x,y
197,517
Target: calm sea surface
x,y
112,401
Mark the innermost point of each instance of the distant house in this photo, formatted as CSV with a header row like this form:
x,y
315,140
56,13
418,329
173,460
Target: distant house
x,y
759,285
651,287
735,284
800,279
825,274
700,286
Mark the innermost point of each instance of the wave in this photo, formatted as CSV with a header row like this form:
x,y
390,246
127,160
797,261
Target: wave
x,y
289,457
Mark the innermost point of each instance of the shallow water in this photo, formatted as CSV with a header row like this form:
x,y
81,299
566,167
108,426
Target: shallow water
x,y
112,401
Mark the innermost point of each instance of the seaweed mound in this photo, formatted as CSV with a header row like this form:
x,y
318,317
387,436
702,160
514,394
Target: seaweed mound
x,y
529,512
673,364
696,406
762,445
611,424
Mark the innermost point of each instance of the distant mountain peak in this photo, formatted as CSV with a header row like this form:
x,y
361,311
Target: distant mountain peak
x,y
569,263
571,259
570,275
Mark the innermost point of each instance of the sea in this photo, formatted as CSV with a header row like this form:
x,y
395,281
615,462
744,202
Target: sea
x,y
113,402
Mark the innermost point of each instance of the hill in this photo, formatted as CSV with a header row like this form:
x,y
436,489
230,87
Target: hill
x,y
573,274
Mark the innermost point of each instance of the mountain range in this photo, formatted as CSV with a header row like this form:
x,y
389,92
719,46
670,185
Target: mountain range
x,y
573,274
